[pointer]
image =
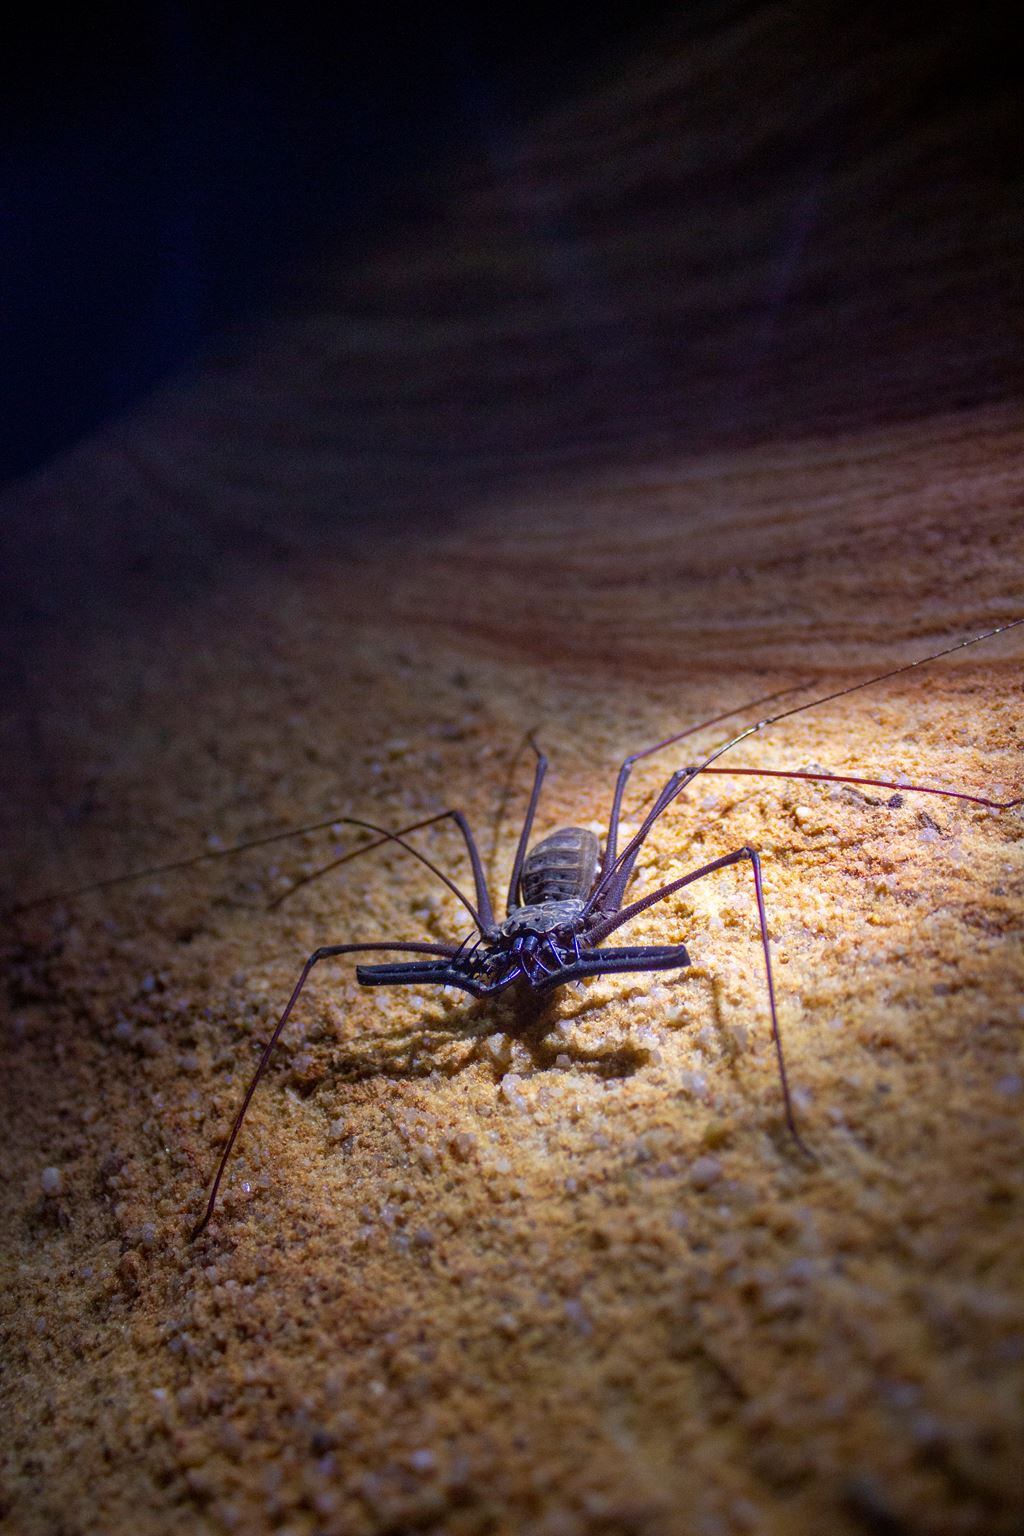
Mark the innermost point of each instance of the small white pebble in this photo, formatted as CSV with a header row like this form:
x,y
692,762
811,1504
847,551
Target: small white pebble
x,y
51,1181
509,1090
422,1461
705,1172
337,1130
499,1048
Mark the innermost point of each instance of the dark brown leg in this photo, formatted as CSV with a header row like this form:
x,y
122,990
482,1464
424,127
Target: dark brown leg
x,y
627,766
512,898
327,952
611,923
849,778
611,886
482,894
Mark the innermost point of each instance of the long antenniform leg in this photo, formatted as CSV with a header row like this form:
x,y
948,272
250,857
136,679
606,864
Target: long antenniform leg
x,y
327,952
626,769
602,930
524,836
610,888
483,914
483,899
849,778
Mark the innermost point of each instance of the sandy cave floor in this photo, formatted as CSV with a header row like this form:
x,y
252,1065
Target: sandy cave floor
x,y
477,1269
707,386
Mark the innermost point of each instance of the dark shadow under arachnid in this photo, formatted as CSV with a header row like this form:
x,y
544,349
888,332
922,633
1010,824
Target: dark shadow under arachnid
x,y
418,1051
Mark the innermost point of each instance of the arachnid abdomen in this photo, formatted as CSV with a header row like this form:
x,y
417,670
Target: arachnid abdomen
x,y
561,867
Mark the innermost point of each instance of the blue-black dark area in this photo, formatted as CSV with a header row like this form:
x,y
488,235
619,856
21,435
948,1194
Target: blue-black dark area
x,y
161,164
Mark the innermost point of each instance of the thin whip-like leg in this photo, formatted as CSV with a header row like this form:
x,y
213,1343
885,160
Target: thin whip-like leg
x,y
602,930
483,915
483,898
524,836
608,858
849,778
151,870
614,884
507,792
608,892
610,885
327,952
396,837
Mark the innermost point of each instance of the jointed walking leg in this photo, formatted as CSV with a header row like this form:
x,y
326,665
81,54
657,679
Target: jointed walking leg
x,y
617,919
327,952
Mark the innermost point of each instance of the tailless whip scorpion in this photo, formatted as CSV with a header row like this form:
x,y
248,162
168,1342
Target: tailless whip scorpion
x,y
565,894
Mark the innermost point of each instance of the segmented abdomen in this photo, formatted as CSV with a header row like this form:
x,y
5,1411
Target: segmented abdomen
x,y
560,867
